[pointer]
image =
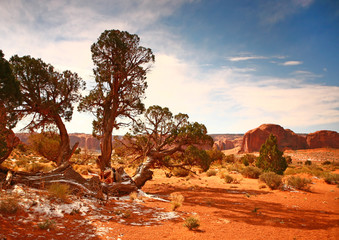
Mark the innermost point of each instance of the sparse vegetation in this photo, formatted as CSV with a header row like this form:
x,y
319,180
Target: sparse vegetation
x,y
48,224
59,191
299,183
192,222
251,172
180,172
176,200
133,196
272,180
211,172
9,204
331,178
228,179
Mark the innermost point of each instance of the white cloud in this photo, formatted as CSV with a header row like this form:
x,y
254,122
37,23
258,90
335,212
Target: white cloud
x,y
291,63
245,58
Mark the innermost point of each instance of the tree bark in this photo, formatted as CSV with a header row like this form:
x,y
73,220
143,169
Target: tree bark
x,y
65,152
143,173
106,151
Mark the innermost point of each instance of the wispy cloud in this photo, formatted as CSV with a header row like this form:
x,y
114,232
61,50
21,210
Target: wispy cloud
x,y
245,58
291,63
272,12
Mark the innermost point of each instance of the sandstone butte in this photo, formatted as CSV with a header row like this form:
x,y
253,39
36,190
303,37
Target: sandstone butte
x,y
287,139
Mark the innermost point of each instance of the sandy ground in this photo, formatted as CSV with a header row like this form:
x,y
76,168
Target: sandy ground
x,y
226,211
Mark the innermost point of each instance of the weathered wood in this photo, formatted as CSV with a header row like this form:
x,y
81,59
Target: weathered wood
x,y
66,174
143,173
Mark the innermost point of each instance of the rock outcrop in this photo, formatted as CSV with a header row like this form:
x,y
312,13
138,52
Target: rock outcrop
x,y
223,144
287,139
323,139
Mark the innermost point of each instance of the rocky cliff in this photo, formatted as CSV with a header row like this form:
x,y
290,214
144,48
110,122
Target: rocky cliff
x,y
287,139
322,139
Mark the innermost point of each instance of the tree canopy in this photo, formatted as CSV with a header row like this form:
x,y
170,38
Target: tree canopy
x,y
120,74
47,96
9,99
160,135
271,158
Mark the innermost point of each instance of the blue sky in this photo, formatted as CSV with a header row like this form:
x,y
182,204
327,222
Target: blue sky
x,y
230,64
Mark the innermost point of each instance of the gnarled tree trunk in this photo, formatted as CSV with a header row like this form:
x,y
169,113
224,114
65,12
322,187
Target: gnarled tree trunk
x,y
143,173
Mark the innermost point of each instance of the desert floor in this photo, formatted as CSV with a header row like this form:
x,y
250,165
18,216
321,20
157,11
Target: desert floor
x,y
226,211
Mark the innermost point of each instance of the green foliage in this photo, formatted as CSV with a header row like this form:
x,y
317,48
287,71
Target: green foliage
x,y
120,71
215,155
46,144
299,183
192,222
230,158
46,93
308,163
48,224
10,95
195,156
248,159
251,172
229,179
272,180
270,158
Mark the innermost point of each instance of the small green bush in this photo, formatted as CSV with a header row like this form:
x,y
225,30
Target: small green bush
x,y
299,183
59,190
272,180
180,172
229,158
248,159
192,222
48,224
308,163
251,172
228,179
211,172
331,178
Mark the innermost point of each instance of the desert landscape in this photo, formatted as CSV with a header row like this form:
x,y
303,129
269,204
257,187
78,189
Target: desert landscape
x,y
241,208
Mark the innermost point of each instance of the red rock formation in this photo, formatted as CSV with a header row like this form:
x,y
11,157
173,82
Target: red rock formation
x,y
287,139
323,139
223,144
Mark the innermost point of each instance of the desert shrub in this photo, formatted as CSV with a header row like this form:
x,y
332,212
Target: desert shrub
x,y
248,159
237,167
46,144
331,178
251,172
288,159
176,200
48,224
229,158
299,183
272,180
9,204
308,163
22,147
228,179
197,157
211,172
192,222
59,190
215,155
77,151
180,172
326,162
271,158
123,213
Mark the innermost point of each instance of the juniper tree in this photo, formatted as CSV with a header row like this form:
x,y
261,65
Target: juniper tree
x,y
120,75
271,158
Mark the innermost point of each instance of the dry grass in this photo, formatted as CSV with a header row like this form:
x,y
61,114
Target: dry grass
x,y
176,200
9,204
192,222
59,191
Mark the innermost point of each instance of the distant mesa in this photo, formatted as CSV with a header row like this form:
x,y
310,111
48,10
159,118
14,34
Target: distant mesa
x,y
250,142
322,139
287,139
